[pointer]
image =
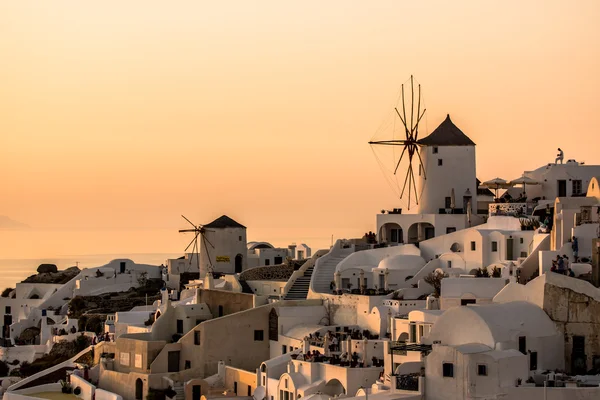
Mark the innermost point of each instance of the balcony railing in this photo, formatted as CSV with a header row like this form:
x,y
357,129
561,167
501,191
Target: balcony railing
x,y
510,209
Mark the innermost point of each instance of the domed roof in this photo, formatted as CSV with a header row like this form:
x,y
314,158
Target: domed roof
x,y
402,262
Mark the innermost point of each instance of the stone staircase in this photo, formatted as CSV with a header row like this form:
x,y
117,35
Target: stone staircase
x,y
299,289
325,268
178,388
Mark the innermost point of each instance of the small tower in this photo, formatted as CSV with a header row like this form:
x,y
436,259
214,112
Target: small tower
x,y
229,247
449,161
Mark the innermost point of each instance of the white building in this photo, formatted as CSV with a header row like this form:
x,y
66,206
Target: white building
x,y
481,351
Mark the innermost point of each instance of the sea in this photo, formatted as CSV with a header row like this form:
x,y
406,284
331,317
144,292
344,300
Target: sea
x,y
13,271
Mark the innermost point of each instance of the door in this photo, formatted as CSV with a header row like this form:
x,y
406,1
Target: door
x,y
173,361
429,233
7,323
278,260
509,248
238,263
139,389
196,392
533,361
122,267
562,188
381,281
578,357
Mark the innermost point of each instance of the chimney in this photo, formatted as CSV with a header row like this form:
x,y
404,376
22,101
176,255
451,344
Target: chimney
x,y
292,250
164,297
596,262
291,367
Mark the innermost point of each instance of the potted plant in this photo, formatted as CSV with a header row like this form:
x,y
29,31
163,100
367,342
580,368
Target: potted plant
x,y
65,387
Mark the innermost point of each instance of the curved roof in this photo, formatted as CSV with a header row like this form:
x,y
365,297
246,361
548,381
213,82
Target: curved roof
x,y
224,222
259,245
402,262
491,324
301,331
447,134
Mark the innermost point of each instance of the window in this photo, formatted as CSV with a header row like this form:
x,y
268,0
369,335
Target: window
x,y
7,310
283,349
413,333
577,187
258,335
278,260
240,238
449,263
473,246
179,326
494,247
285,383
440,162
464,302
197,338
448,370
450,229
435,150
521,240
221,311
447,202
523,344
235,387
188,364
264,380
267,262
481,369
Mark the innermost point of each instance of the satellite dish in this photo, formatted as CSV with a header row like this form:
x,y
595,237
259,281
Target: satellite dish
x,y
259,393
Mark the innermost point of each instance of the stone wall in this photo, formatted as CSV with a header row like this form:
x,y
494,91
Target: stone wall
x,y
281,272
575,314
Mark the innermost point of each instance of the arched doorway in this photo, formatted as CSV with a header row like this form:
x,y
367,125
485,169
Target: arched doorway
x,y
420,231
238,263
391,233
334,388
139,389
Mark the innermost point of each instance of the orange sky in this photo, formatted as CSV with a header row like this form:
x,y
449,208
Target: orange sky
x,y
124,116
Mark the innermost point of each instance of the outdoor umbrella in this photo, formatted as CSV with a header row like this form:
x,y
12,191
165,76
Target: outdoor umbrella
x,y
452,201
524,180
496,183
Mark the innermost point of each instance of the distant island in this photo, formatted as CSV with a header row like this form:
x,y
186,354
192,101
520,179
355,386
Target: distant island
x,y
7,223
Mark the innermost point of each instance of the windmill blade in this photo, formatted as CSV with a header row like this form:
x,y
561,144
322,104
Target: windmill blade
x,y
400,159
192,242
389,142
416,129
405,181
412,104
412,172
208,241
401,119
421,163
189,222
417,125
403,108
187,230
207,253
409,183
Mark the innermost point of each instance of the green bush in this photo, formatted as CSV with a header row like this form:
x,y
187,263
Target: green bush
x,y
6,292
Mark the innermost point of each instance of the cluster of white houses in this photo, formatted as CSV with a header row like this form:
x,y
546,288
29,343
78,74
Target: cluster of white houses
x,y
447,303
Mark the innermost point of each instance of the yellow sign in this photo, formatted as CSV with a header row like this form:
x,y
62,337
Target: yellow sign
x,y
222,258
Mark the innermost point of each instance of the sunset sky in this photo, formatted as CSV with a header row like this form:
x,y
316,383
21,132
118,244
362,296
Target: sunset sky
x,y
117,117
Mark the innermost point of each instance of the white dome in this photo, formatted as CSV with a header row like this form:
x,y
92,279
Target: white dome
x,y
402,262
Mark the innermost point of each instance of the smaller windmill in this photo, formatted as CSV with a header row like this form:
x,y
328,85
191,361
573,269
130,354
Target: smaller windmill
x,y
198,230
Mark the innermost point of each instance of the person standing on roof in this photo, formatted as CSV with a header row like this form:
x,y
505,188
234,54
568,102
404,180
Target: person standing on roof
x,y
559,156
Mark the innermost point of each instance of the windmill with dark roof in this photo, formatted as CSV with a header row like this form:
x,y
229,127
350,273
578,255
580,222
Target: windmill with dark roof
x,y
444,162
